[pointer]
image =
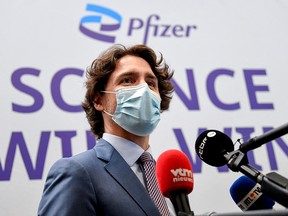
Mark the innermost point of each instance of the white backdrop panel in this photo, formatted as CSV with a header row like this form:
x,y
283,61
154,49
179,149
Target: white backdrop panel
x,y
41,40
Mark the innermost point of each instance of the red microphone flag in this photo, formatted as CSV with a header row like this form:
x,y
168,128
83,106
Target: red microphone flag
x,y
174,172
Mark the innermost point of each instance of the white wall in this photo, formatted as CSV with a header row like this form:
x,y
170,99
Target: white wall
x,y
41,39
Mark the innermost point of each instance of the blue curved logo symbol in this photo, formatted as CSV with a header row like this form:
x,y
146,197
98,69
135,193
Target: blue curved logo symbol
x,y
112,22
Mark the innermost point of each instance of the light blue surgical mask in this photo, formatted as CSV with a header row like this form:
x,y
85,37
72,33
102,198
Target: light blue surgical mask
x,y
137,109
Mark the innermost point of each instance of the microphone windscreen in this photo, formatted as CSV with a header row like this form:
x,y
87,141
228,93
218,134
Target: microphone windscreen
x,y
212,145
174,172
247,194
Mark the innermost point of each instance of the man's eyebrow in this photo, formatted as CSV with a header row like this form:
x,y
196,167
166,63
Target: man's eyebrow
x,y
127,73
151,76
135,74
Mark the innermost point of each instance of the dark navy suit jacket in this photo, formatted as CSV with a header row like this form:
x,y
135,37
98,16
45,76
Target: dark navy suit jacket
x,y
95,182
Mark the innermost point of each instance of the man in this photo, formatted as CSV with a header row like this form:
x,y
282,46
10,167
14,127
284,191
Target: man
x,y
127,88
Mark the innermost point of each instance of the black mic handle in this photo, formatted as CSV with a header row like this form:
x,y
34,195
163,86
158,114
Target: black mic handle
x,y
276,186
185,214
238,161
180,201
273,184
264,138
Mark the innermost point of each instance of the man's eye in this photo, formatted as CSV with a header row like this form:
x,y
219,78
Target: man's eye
x,y
151,83
127,80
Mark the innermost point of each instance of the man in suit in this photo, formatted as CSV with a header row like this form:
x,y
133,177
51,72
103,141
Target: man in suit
x,y
127,88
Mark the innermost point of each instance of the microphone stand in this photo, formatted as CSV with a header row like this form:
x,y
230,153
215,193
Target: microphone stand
x,y
264,138
272,184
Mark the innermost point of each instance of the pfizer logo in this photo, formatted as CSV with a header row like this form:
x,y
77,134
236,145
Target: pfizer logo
x,y
100,22
211,134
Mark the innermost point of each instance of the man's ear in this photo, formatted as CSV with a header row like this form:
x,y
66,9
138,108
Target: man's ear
x,y
98,102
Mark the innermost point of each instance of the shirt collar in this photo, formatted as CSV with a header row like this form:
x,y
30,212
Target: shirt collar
x,y
129,150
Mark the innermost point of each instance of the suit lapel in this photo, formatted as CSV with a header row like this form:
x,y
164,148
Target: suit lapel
x,y
122,173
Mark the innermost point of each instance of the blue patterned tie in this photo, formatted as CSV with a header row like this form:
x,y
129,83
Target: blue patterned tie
x,y
149,172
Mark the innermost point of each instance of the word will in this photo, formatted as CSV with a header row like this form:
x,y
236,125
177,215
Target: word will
x,y
34,167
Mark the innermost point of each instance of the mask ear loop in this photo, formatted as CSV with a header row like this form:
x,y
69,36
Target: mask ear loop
x,y
109,92
107,113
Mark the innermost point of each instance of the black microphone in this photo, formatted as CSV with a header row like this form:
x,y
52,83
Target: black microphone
x,y
264,138
212,145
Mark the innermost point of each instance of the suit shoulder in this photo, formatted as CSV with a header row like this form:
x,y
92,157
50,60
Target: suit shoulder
x,y
84,160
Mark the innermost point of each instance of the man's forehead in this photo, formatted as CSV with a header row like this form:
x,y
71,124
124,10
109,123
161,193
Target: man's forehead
x,y
133,65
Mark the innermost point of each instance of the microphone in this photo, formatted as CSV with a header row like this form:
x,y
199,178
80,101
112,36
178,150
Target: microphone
x,y
214,154
248,196
264,138
175,178
212,145
216,149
